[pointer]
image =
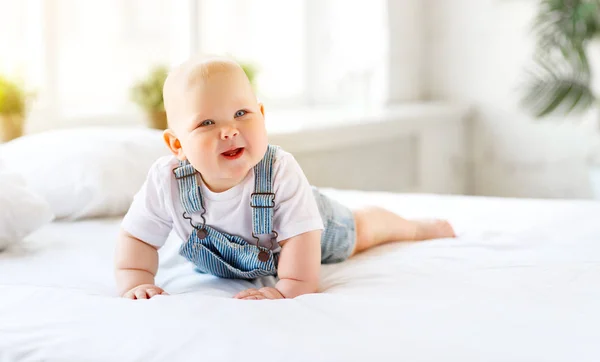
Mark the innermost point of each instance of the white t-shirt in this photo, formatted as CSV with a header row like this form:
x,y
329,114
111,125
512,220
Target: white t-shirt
x,y
156,208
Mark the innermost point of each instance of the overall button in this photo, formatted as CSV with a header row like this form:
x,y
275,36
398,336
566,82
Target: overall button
x,y
263,256
202,233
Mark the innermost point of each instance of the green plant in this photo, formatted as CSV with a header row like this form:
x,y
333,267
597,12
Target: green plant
x,y
147,93
250,71
13,97
560,80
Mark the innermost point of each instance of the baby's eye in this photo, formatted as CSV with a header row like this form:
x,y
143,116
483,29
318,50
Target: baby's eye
x,y
240,113
207,122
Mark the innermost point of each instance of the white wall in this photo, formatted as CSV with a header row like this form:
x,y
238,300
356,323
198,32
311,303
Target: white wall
x,y
406,50
476,53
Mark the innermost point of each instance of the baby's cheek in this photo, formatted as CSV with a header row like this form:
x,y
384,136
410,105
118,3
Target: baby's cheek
x,y
261,144
199,157
260,138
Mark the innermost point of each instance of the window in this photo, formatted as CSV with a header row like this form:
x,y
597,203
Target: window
x,y
81,57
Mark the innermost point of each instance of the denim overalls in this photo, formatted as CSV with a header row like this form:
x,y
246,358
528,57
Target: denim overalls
x,y
221,254
230,256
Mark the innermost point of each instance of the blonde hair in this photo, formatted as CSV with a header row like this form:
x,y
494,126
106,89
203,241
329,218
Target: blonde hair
x,y
199,69
194,71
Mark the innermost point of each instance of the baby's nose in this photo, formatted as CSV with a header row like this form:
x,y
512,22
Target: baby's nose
x,y
229,132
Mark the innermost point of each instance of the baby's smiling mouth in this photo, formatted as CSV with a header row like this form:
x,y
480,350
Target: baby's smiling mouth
x,y
233,154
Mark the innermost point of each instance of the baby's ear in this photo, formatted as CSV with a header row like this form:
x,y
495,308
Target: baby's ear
x,y
173,143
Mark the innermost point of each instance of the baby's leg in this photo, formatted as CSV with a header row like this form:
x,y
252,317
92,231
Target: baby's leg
x,y
375,226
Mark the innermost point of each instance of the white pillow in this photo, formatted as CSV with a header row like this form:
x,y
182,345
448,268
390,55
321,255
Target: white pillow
x,y
85,172
21,211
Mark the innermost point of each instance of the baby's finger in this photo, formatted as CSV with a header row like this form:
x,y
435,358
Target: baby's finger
x,y
129,295
254,297
141,294
246,293
152,292
271,293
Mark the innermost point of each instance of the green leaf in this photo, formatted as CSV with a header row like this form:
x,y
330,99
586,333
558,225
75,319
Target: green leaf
x,y
558,84
556,95
147,93
544,97
13,97
559,79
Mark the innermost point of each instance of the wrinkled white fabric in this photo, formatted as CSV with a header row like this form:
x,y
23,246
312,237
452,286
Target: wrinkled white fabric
x,y
520,283
21,210
85,172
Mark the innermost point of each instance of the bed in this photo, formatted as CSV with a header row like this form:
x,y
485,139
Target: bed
x,y
521,282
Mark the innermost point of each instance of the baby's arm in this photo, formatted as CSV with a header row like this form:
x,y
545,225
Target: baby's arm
x,y
298,270
299,264
136,265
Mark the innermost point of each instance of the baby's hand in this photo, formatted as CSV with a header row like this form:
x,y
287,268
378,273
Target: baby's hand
x,y
262,293
144,291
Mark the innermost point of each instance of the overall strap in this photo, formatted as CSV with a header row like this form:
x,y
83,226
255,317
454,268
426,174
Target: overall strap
x,y
262,199
190,197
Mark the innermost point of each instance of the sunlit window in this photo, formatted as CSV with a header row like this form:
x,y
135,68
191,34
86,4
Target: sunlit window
x,y
82,57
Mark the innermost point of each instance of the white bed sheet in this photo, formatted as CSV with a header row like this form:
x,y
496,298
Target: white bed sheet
x,y
520,283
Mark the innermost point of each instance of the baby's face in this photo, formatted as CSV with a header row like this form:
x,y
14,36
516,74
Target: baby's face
x,y
221,128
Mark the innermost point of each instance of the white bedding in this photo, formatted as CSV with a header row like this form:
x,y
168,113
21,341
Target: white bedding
x,y
520,283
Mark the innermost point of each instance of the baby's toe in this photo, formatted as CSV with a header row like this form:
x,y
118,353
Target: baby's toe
x,y
445,229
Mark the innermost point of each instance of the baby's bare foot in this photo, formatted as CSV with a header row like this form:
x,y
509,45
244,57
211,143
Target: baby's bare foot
x,y
434,229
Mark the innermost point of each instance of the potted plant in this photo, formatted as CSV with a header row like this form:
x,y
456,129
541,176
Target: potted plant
x,y
147,93
13,109
560,81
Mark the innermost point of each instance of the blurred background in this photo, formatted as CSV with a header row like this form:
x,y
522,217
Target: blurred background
x,y
507,84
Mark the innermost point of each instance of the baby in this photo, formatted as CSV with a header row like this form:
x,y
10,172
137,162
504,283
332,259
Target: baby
x,y
242,208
